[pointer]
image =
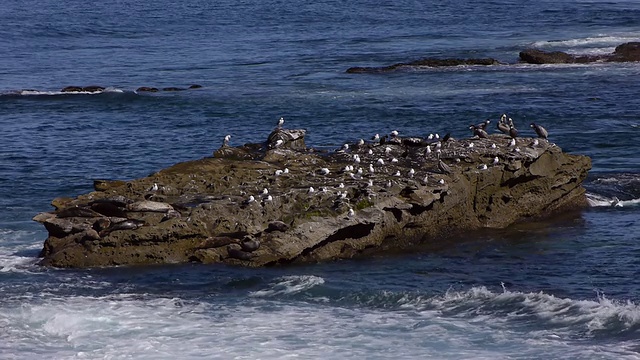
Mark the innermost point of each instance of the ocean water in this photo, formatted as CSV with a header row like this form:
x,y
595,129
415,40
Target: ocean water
x,y
562,288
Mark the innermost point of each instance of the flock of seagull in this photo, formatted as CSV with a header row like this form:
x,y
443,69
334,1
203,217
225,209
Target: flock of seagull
x,y
505,125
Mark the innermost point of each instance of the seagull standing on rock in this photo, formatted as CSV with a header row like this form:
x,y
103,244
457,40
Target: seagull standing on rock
x,y
226,140
280,122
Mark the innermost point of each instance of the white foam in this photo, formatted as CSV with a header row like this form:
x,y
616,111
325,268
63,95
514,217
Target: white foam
x,y
13,242
53,93
289,285
607,41
595,200
457,325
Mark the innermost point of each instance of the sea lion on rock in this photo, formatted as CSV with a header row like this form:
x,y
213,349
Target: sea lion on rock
x,y
250,244
235,252
277,226
109,209
151,206
77,211
129,224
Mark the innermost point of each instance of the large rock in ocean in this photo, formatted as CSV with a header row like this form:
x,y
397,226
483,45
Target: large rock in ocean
x,y
279,202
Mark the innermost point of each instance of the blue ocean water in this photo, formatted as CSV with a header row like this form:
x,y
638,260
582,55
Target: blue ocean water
x,y
562,288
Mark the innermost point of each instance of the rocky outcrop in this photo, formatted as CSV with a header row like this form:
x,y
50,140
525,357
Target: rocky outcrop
x,y
627,52
279,202
428,62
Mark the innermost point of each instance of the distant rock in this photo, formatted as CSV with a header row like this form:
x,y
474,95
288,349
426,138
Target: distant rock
x,y
627,52
147,89
428,62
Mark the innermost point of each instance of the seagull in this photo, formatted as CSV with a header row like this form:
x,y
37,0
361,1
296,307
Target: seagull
x,y
542,132
441,182
265,191
278,142
428,149
154,187
394,133
269,198
425,179
512,143
371,170
493,146
250,200
311,190
227,138
397,173
389,184
324,171
279,172
471,145
356,158
360,142
380,162
483,167
341,186
535,143
387,150
280,122
345,147
376,138
359,171
351,213
370,183
430,137
496,160
370,152
411,173
286,170
394,160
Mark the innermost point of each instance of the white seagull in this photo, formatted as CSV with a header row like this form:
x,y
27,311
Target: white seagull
x,y
280,122
411,173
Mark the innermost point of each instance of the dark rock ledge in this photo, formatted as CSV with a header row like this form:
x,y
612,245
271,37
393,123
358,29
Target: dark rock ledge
x,y
627,52
202,210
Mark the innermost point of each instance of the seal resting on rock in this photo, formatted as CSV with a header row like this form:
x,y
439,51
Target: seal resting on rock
x,y
235,252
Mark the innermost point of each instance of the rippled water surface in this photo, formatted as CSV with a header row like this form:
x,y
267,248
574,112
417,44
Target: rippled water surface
x,y
562,288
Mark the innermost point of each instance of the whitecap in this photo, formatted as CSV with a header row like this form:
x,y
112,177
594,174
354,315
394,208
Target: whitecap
x,y
289,285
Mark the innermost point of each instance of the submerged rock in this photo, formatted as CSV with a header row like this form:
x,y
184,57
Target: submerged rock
x,y
279,202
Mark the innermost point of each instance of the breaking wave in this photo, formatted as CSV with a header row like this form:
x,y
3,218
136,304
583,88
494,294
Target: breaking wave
x,y
614,190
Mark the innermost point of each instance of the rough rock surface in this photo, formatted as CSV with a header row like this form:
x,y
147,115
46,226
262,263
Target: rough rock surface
x,y
315,207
